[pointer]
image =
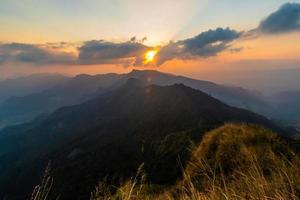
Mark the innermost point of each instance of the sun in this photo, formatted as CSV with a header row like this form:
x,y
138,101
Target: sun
x,y
150,55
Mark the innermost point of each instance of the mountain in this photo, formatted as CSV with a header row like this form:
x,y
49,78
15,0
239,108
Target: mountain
x,y
25,85
84,87
13,89
286,110
235,96
268,80
74,91
110,136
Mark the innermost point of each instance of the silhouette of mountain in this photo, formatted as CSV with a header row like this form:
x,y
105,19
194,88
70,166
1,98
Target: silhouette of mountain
x,y
288,104
286,109
74,91
235,96
25,85
84,87
110,136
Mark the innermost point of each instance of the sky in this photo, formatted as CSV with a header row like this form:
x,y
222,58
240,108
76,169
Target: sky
x,y
185,37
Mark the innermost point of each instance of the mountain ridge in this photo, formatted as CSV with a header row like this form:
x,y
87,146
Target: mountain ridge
x,y
22,109
105,135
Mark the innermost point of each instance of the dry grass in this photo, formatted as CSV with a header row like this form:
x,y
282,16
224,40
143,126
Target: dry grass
x,y
41,192
252,185
259,166
234,162
282,183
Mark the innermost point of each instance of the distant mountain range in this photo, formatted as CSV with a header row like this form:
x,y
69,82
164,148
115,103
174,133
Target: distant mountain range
x,y
26,85
73,91
115,131
83,87
286,106
12,89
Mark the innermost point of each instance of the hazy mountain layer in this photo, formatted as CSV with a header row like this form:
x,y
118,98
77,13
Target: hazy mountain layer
x,y
84,87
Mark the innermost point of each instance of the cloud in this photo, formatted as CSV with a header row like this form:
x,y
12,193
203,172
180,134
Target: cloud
x,y
28,53
101,52
90,52
129,53
59,45
285,19
204,45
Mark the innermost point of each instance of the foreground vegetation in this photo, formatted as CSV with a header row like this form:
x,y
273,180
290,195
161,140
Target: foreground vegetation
x,y
231,162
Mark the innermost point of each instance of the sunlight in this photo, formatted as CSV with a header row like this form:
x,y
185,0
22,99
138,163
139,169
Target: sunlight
x,y
150,55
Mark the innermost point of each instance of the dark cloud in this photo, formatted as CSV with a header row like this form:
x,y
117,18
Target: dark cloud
x,y
59,45
206,44
28,53
99,52
285,19
130,53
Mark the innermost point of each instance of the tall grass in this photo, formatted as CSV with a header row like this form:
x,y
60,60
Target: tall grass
x,y
234,162
41,191
131,189
282,184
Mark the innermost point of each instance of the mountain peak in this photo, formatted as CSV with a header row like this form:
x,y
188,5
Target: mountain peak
x,y
134,82
142,72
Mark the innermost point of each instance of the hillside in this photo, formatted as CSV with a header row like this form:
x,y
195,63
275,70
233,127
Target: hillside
x,y
111,135
234,161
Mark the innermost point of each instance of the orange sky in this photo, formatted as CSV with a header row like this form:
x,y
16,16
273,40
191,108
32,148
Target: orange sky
x,y
74,22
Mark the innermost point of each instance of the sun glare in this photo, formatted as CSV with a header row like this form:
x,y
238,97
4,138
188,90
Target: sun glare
x,y
150,55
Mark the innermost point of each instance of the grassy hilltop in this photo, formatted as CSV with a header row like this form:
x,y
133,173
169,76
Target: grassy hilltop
x,y
234,161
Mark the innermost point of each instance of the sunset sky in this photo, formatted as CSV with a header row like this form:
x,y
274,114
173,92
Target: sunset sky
x,y
185,36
